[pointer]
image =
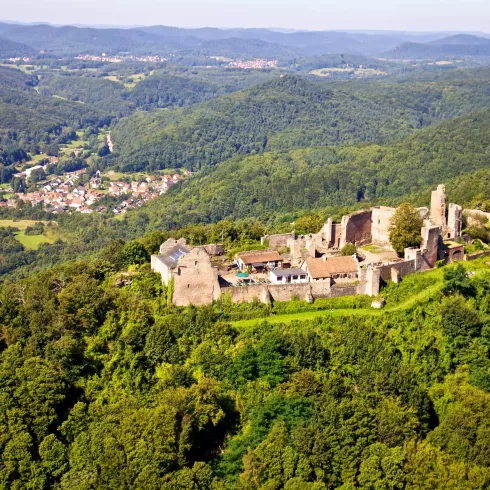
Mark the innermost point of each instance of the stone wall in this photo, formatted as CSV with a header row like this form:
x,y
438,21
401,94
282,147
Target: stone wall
x,y
285,292
369,282
336,235
158,266
477,255
195,281
438,206
357,228
275,241
403,269
339,290
246,294
454,221
214,249
431,246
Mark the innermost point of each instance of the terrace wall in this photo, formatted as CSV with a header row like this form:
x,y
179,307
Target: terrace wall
x,y
477,255
285,292
403,268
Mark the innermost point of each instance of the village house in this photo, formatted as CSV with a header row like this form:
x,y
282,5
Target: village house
x,y
167,260
258,260
288,276
335,269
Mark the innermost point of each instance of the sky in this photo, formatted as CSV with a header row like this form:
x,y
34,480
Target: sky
x,y
409,15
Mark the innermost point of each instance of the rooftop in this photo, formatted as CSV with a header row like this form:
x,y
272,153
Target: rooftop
x,y
451,244
319,268
259,256
288,272
171,256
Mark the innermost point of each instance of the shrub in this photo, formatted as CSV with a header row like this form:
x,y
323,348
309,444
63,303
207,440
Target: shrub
x,y
348,249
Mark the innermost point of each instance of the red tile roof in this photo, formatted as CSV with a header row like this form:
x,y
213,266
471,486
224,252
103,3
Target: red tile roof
x,y
259,257
319,268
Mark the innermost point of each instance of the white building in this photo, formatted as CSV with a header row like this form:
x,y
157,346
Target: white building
x,y
288,276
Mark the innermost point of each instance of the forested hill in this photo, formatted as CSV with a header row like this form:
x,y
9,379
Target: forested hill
x,y
459,45
30,115
280,182
108,386
289,112
10,48
173,87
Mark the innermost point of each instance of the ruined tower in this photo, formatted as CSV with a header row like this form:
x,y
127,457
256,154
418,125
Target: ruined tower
x,y
438,206
454,221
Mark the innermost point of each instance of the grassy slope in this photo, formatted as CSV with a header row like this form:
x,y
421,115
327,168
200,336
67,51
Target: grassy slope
x,y
421,297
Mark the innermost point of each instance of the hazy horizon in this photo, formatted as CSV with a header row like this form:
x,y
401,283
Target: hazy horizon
x,y
350,15
272,28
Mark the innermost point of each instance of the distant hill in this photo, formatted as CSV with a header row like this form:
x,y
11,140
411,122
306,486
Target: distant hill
x,y
164,40
461,45
461,39
12,49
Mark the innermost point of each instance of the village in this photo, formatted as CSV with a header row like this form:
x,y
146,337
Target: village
x,y
256,64
73,192
106,58
311,266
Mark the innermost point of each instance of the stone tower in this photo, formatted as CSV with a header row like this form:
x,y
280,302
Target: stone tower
x,y
454,221
438,206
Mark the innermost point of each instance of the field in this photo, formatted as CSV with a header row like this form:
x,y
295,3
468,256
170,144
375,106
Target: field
x,y
75,144
37,158
357,72
112,78
134,80
32,242
128,82
21,224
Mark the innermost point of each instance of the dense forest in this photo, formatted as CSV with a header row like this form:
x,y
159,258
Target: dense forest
x,y
29,118
286,113
110,387
263,185
121,94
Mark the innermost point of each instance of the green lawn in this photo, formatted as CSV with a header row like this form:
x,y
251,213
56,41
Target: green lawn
x,y
373,249
32,241
307,315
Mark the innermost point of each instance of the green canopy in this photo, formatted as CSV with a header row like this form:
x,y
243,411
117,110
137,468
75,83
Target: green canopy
x,y
242,274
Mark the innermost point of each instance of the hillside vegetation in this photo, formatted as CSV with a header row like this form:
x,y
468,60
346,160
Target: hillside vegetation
x,y
288,113
313,178
107,387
